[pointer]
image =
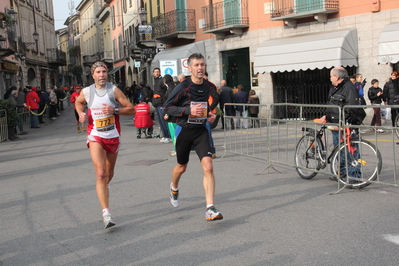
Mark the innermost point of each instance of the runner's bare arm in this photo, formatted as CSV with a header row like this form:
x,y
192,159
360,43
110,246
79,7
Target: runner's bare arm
x,y
127,108
80,108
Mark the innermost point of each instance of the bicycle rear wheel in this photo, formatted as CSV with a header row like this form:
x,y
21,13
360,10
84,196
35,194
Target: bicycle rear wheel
x,y
365,162
306,157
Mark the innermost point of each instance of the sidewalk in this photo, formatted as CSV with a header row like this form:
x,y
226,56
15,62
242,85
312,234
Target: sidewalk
x,y
50,214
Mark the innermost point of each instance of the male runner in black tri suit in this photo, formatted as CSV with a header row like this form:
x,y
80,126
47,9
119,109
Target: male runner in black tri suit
x,y
189,104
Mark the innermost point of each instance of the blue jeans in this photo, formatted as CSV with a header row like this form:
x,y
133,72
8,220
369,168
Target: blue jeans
x,y
162,123
34,119
352,170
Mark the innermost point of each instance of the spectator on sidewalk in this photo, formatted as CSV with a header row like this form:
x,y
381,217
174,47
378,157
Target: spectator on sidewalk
x,y
44,100
142,119
242,98
53,103
226,95
32,104
80,126
158,102
375,97
253,110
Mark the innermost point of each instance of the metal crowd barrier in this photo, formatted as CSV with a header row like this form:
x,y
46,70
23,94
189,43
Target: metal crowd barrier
x,y
23,126
3,126
276,139
251,139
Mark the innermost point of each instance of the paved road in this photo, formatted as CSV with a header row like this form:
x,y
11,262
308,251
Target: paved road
x,y
50,214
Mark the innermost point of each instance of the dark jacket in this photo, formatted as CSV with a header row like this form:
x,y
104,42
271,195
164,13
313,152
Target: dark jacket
x,y
241,97
159,92
178,104
374,99
344,94
226,95
253,99
390,91
146,94
43,98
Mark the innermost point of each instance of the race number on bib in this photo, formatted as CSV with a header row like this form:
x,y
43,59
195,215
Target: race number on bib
x,y
199,119
105,123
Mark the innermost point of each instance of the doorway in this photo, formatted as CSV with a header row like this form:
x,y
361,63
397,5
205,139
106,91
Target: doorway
x,y
236,68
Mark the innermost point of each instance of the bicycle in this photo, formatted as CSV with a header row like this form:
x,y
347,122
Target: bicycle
x,y
397,125
363,158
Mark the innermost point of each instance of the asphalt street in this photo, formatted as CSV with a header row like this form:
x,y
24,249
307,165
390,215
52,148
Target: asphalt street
x,y
50,214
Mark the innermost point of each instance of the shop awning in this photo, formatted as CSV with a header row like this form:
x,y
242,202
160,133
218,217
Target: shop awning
x,y
180,52
309,51
388,46
114,70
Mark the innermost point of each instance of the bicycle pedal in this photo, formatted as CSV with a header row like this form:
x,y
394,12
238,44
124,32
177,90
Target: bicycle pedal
x,y
362,161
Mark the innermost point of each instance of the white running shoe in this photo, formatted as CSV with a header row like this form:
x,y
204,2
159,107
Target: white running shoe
x,y
213,214
174,197
167,140
107,220
162,140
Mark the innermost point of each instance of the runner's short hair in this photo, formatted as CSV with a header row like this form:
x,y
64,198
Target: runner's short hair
x,y
194,56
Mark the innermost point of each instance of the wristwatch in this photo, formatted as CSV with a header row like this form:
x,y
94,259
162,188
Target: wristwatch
x,y
116,111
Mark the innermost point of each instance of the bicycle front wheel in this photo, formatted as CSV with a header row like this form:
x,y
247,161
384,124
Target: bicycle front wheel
x,y
363,161
306,157
397,125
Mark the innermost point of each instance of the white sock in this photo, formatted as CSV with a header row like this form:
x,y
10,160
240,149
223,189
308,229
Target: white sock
x,y
174,189
106,211
209,205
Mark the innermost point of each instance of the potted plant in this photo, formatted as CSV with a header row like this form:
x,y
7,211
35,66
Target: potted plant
x,y
11,114
5,20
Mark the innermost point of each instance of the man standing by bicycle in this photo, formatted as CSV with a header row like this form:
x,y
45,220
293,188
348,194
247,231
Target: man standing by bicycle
x,y
342,93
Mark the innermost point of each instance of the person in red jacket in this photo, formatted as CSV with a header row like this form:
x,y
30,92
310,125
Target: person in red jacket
x,y
142,119
75,94
32,100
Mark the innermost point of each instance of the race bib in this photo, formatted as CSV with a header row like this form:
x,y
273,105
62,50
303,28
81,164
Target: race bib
x,y
199,119
105,123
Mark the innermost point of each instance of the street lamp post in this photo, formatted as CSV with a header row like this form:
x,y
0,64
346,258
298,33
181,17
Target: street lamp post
x,y
35,38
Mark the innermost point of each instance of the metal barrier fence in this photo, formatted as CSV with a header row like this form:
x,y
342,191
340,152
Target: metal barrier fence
x,y
21,128
276,139
3,126
251,139
23,122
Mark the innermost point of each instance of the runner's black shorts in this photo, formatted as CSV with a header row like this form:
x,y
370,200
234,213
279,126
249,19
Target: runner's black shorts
x,y
186,138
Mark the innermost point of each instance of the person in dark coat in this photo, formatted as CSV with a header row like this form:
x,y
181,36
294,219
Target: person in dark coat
x,y
391,94
253,110
226,95
375,96
44,99
241,97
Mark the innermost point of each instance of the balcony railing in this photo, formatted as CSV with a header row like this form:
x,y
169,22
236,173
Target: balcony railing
x,y
88,60
106,55
226,14
283,9
56,57
174,24
8,46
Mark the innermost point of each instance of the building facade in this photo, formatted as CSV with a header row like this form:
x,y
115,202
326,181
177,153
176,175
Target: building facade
x,y
33,56
283,49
